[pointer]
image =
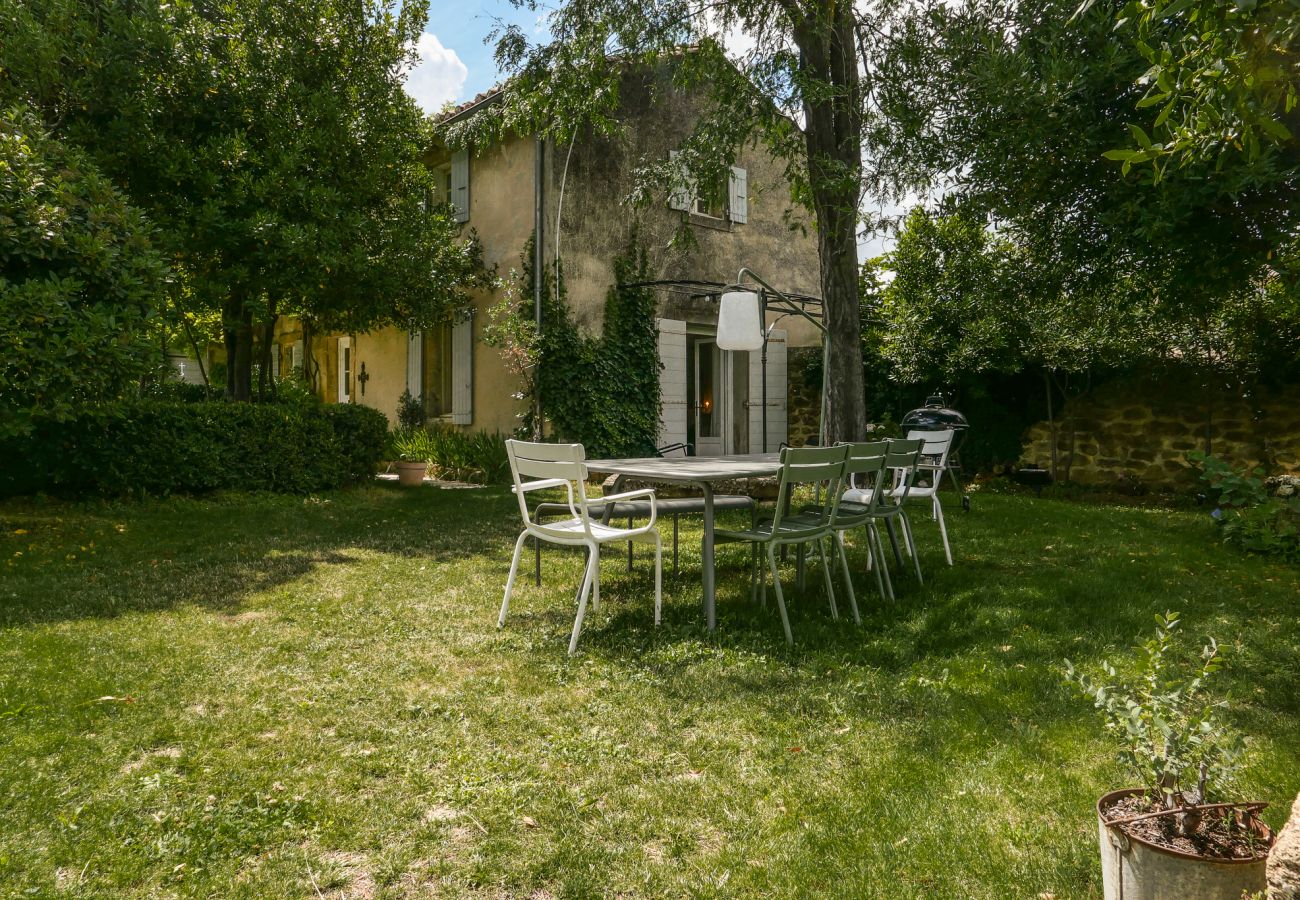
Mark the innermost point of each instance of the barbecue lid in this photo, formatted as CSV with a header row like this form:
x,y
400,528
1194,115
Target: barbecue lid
x,y
935,415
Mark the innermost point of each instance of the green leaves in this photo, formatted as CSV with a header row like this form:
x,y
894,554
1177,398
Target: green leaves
x,y
79,281
1171,729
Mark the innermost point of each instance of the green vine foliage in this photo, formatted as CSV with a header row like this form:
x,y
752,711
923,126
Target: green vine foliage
x,y
601,390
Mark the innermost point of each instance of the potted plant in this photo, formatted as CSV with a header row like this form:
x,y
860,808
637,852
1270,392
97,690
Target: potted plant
x,y
411,449
1176,835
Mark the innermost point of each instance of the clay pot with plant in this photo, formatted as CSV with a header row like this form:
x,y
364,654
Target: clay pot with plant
x,y
1178,835
411,456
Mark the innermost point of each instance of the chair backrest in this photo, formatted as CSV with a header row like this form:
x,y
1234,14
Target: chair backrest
x,y
534,466
865,468
901,459
936,445
819,466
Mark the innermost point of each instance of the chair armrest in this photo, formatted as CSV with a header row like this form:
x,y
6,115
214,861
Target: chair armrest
x,y
538,485
627,495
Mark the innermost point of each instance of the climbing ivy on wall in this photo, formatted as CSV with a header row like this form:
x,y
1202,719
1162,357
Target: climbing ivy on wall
x,y
601,390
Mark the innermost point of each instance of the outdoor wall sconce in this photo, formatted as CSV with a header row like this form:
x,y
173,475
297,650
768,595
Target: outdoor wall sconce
x,y
740,322
362,377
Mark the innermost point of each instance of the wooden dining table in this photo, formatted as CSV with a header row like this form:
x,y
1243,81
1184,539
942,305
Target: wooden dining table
x,y
700,471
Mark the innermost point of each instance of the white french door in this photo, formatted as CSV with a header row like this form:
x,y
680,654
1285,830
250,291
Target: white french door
x,y
710,399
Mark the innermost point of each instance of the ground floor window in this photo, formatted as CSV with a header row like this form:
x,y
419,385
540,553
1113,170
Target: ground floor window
x,y
438,371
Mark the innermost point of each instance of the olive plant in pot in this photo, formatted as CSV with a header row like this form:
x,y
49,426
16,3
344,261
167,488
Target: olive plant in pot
x,y
1177,835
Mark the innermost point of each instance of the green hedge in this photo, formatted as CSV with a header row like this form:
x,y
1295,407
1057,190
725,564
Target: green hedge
x,y
166,447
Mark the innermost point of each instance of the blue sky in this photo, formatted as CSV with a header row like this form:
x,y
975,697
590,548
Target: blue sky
x,y
455,64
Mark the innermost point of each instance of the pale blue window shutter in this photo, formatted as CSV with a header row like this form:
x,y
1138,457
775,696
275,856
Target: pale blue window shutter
x,y
275,361
460,185
462,372
738,195
415,363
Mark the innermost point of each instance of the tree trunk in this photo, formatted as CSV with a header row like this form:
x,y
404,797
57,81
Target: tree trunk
x,y
237,320
833,139
1051,419
265,383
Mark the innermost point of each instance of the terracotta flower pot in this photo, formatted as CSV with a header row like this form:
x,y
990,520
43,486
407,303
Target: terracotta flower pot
x,y
1135,869
411,473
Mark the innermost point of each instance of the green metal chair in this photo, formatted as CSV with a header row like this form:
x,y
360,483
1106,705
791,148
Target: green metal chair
x,y
901,461
822,467
865,473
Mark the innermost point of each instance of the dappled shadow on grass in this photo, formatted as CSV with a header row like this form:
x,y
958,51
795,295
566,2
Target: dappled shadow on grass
x,y
70,561
983,641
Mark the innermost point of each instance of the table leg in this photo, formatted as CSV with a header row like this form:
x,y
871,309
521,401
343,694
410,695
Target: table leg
x,y
706,558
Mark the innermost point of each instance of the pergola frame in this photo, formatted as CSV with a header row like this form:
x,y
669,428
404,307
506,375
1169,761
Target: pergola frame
x,y
770,299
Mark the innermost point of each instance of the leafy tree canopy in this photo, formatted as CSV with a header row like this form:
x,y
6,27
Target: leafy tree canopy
x,y
273,144
1012,110
78,280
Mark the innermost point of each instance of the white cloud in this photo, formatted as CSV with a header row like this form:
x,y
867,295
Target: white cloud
x,y
439,77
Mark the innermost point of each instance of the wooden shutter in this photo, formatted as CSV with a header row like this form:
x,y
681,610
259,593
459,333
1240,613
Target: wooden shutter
x,y
275,360
679,192
776,395
462,372
672,382
415,363
738,195
460,185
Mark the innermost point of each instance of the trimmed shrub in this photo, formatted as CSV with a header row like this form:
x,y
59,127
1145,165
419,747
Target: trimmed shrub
x,y
159,447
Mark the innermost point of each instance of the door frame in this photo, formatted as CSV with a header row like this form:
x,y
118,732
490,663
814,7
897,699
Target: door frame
x,y
345,369
724,391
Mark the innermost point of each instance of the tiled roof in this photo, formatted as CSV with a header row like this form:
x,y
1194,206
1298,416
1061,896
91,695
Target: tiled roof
x,y
465,107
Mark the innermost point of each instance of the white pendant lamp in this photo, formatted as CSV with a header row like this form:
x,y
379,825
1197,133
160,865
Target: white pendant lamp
x,y
740,322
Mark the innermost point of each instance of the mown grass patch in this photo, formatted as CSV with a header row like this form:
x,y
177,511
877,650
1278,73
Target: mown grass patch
x,y
265,696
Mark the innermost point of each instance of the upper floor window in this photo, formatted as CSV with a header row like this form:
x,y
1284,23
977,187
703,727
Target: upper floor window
x,y
726,202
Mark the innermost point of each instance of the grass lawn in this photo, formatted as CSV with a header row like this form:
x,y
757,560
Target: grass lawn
x,y
266,696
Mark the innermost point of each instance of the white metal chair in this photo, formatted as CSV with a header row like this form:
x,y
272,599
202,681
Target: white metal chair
x,y
538,466
935,447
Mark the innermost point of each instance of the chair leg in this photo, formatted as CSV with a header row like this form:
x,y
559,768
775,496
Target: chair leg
x,y
780,598
826,576
883,581
848,580
595,579
893,541
943,528
659,577
537,550
907,534
510,582
588,581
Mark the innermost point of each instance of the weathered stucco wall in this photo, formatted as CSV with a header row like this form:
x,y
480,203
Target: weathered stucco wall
x,y
596,222
1138,432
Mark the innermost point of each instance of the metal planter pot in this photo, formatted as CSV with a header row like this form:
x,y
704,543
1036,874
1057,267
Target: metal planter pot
x,y
1134,869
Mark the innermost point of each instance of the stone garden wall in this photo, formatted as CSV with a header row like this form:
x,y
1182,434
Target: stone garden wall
x,y
803,403
1137,433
